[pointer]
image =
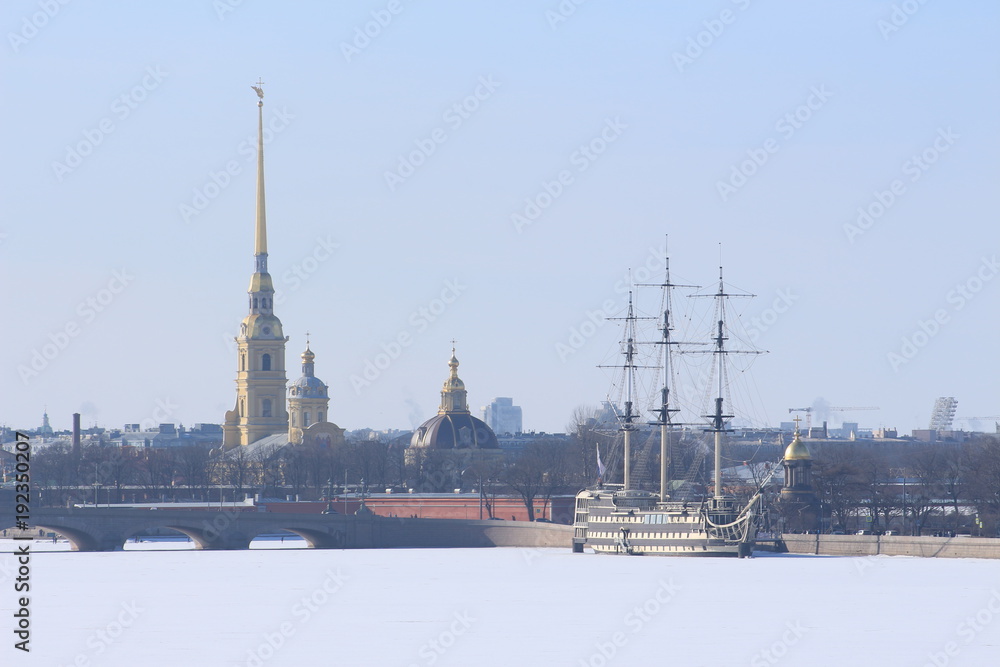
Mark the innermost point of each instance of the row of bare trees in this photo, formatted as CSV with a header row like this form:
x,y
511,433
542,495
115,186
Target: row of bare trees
x,y
917,489
191,472
542,469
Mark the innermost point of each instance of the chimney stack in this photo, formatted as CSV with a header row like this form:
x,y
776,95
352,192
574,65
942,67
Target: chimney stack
x,y
76,434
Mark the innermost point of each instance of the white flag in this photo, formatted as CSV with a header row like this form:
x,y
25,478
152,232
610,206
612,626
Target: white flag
x,y
600,466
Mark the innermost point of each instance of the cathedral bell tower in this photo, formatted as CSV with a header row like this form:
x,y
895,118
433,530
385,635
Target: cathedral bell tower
x,y
308,399
260,376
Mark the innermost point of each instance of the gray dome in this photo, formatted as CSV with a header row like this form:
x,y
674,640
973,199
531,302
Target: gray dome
x,y
454,431
308,386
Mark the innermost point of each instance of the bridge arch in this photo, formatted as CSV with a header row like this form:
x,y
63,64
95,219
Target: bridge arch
x,y
81,539
316,538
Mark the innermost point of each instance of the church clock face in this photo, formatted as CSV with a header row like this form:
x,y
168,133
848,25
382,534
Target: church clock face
x,y
267,331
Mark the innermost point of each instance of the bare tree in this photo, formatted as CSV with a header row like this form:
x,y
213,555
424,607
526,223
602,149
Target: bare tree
x,y
53,466
835,479
238,469
929,467
984,483
874,476
193,463
156,468
540,470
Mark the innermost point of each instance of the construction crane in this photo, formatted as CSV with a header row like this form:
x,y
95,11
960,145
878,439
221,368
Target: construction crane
x,y
809,412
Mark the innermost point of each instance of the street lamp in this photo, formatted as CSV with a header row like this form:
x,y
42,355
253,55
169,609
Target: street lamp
x,y
480,479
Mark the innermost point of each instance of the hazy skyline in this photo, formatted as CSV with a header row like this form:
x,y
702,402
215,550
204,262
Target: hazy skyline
x,y
489,172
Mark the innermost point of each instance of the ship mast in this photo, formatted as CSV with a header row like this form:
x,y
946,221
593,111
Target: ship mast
x,y
627,419
665,412
719,417
629,416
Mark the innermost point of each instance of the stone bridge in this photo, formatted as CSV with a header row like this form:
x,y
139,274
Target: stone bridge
x,y
107,529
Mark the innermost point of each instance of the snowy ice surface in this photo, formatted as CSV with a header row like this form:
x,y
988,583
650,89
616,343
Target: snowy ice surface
x,y
164,604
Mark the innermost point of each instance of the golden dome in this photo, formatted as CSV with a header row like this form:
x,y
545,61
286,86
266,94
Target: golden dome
x,y
797,450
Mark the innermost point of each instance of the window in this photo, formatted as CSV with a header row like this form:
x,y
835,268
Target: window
x,y
319,416
266,362
267,407
305,419
243,362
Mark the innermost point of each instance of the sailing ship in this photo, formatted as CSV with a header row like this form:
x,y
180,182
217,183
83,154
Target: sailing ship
x,y
623,519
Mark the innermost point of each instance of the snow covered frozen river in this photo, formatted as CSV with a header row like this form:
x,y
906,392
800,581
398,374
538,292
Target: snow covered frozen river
x,y
164,604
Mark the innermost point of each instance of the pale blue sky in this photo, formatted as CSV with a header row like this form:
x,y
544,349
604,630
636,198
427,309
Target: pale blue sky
x,y
885,96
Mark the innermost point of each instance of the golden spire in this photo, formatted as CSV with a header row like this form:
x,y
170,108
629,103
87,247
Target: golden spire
x,y
261,288
260,245
453,362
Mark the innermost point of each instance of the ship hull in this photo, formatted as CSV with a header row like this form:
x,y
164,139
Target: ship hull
x,y
633,523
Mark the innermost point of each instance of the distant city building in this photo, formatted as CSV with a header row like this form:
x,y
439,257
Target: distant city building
x,y
607,414
46,429
166,435
512,445
848,430
503,416
943,414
